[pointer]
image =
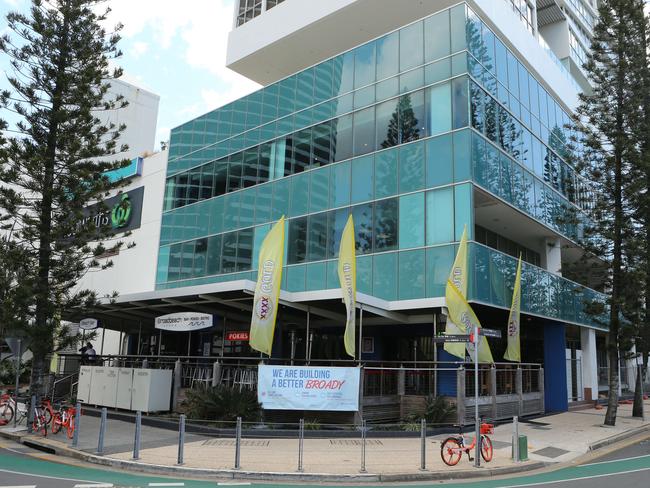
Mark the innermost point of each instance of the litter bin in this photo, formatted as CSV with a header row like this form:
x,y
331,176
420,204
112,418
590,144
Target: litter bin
x,y
523,448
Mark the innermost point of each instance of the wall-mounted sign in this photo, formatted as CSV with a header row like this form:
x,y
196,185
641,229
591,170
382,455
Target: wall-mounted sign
x,y
133,169
184,322
88,324
120,213
308,388
238,336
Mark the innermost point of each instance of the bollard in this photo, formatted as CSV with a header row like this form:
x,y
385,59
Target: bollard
x,y
102,431
301,439
515,438
238,444
363,447
77,422
30,414
181,439
138,433
423,445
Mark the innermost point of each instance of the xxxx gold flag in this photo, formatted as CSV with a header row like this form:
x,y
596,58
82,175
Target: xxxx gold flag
x,y
348,280
461,317
513,353
267,291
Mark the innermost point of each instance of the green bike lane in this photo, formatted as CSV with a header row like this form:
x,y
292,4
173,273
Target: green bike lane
x,y
33,466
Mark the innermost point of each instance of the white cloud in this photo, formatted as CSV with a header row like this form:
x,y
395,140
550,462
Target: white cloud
x,y
139,49
200,31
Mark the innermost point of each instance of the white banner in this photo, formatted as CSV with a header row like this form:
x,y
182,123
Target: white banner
x,y
88,324
308,388
184,322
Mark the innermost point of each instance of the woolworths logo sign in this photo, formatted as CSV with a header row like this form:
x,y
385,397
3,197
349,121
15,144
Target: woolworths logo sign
x,y
120,213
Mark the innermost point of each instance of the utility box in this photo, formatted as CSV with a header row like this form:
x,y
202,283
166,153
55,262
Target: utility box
x,y
523,448
97,385
124,388
151,390
83,386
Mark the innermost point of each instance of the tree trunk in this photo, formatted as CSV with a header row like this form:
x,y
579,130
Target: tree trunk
x,y
637,409
612,397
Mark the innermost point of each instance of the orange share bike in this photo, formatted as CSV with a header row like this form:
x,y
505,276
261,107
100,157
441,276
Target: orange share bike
x,y
452,448
64,418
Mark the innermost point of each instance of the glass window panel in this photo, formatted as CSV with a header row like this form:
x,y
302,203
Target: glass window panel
x,y
364,97
343,66
387,88
296,278
287,96
342,140
491,119
264,163
477,107
388,56
440,216
460,103
249,173
301,150
463,210
364,131
280,199
411,40
322,144
439,108
501,58
270,103
231,211
386,173
315,277
412,80
462,150
340,185
305,89
384,270
299,195
362,215
216,215
278,159
297,252
439,161
438,71
260,234
245,250
458,20
263,203
411,221
412,274
335,225
247,208
323,81
319,189
493,169
439,262
194,186
387,124
229,253
362,178
411,168
317,237
488,51
235,169
385,225
343,105
364,65
413,117
513,74
187,260
175,259
162,268
437,38
200,258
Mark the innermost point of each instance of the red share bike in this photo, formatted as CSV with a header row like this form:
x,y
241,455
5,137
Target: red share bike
x,y
452,448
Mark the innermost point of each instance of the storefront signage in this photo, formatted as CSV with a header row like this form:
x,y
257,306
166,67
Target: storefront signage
x,y
121,213
238,336
184,322
308,388
88,324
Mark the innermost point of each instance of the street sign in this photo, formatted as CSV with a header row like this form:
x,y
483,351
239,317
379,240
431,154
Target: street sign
x,y
489,332
16,345
88,324
451,338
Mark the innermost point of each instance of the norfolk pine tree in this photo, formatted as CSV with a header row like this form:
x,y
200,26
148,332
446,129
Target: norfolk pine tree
x,y
608,115
52,164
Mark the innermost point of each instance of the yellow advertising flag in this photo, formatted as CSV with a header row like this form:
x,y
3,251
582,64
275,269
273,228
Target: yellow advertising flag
x,y
348,279
513,353
458,281
267,291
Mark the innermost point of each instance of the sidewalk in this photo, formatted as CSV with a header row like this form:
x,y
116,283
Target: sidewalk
x,y
554,439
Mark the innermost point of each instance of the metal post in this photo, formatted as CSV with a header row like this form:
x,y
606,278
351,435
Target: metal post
x,y
139,338
423,445
30,414
435,355
102,432
477,429
77,423
363,446
301,440
101,347
159,343
360,330
238,444
18,358
515,438
138,433
181,438
307,341
223,337
189,343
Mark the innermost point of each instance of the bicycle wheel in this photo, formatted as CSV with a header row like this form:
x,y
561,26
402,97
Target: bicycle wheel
x,y
6,412
39,426
486,448
47,415
57,421
70,426
450,451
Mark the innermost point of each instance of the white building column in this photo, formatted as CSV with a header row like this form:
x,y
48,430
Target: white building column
x,y
589,361
552,257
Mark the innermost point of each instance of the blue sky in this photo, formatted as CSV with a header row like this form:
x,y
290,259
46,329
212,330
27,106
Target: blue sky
x,y
174,48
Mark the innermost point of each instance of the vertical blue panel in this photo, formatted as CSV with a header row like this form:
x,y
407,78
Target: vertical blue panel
x,y
555,388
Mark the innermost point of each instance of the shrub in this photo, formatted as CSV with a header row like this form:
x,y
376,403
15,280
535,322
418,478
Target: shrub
x,y
438,410
222,403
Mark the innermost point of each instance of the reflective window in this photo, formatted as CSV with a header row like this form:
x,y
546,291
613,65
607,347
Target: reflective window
x,y
440,216
385,225
411,46
411,221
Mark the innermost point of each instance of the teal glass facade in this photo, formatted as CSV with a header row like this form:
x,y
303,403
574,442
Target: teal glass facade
x,y
397,132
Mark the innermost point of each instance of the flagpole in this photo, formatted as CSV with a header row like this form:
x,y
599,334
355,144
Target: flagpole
x,y
477,428
360,330
307,339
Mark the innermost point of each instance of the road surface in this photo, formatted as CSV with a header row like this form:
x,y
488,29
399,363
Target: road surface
x,y
22,467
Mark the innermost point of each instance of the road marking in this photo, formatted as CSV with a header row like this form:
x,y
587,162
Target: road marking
x,y
21,486
244,483
42,476
166,484
580,478
95,485
613,461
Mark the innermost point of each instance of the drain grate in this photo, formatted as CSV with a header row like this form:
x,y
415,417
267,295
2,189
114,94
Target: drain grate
x,y
231,443
550,452
355,442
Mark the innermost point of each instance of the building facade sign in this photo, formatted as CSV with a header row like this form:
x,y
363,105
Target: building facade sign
x,y
121,213
184,322
242,336
308,388
88,324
